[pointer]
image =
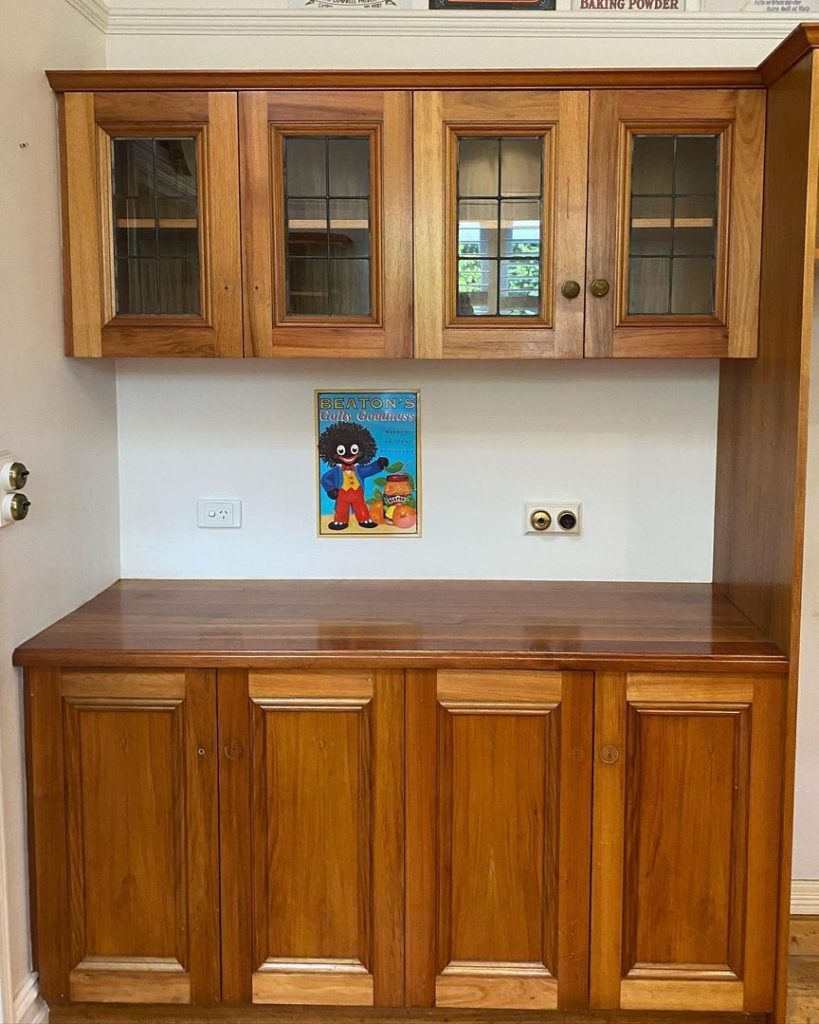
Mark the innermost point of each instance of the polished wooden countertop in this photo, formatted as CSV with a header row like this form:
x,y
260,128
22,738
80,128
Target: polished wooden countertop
x,y
263,623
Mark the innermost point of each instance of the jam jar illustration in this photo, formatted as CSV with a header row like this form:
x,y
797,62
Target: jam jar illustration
x,y
397,492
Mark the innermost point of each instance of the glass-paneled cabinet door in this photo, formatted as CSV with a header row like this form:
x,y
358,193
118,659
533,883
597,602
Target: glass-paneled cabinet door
x,y
500,223
151,224
327,223
675,220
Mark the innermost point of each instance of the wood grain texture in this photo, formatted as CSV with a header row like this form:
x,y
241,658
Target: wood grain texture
x,y
790,52
440,119
47,835
266,119
739,118
804,934
122,986
235,826
762,432
469,624
316,779
107,1014
82,230
88,124
126,913
498,808
437,79
686,850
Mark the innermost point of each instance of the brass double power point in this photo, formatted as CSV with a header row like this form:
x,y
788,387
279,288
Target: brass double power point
x,y
14,505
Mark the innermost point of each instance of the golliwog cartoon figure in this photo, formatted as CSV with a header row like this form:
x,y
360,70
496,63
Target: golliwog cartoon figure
x,y
349,450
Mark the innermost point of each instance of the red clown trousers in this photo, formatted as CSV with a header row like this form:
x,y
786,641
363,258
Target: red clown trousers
x,y
351,499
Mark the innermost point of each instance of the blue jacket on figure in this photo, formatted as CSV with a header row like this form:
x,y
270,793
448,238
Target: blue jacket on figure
x,y
334,477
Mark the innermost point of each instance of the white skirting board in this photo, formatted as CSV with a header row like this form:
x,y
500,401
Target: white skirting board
x,y
805,896
29,1008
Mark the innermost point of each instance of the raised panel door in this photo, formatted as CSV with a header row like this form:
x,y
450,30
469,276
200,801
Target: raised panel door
x,y
312,852
686,850
126,865
498,822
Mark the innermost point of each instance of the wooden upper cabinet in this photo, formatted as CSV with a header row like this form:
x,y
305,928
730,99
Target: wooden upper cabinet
x,y
151,224
125,851
327,223
688,777
498,832
312,836
675,222
500,223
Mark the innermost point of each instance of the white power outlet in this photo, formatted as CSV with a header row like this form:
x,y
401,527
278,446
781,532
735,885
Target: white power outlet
x,y
219,513
551,517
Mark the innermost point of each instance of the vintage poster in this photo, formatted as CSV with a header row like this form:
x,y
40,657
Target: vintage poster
x,y
349,5
368,463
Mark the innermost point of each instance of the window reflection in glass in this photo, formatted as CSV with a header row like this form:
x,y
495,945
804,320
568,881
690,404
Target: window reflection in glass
x,y
500,210
327,207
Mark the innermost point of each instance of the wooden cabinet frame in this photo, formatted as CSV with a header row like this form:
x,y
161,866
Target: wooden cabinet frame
x,y
738,117
82,957
385,117
93,327
557,707
250,703
717,724
439,119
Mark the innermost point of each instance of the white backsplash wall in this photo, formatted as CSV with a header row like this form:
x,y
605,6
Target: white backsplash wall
x,y
633,440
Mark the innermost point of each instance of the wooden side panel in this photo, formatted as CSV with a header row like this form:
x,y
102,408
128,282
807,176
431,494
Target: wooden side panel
x,y
128,879
315,763
265,118
763,425
498,817
47,832
82,231
685,854
439,119
739,117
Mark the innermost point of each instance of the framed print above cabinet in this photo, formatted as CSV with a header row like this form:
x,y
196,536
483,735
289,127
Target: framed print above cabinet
x,y
368,466
492,5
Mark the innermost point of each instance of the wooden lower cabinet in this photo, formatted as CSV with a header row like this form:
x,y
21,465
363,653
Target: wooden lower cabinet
x,y
312,836
686,841
498,831
122,775
497,840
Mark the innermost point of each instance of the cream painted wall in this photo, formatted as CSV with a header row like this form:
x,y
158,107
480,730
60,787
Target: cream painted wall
x,y
259,34
634,442
806,835
58,415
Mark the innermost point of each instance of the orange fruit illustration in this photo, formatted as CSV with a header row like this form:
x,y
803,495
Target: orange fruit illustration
x,y
404,517
377,512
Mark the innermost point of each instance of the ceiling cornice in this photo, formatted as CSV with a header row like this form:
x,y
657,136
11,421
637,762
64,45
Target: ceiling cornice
x,y
95,11
263,19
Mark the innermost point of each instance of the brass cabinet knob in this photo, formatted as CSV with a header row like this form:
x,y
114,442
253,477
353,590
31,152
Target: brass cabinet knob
x,y
570,289
600,287
609,755
19,506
